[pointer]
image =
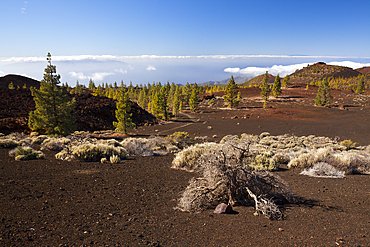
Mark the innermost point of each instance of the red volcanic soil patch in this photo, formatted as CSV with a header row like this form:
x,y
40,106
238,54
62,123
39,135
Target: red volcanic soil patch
x,y
91,112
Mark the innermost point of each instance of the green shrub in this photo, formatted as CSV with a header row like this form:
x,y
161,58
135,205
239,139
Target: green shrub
x,y
27,153
348,144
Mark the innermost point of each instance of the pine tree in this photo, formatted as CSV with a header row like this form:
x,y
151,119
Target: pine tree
x,y
187,92
176,102
171,93
265,89
11,85
141,100
230,93
276,88
361,85
159,106
286,82
323,97
193,101
91,85
123,114
53,110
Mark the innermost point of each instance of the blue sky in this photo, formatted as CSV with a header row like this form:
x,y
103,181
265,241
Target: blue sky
x,y
184,40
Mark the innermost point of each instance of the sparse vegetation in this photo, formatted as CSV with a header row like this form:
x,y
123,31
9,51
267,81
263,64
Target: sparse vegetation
x,y
53,110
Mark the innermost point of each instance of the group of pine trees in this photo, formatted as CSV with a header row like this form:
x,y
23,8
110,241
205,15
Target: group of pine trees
x,y
53,108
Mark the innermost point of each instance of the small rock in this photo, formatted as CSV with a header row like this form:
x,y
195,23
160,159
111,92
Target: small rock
x,y
281,229
223,209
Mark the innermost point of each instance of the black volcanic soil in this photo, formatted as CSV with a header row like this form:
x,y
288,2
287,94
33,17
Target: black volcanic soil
x,y
58,203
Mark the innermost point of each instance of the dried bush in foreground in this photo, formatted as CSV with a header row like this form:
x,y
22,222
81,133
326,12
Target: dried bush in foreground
x,y
187,159
224,179
55,144
323,170
91,152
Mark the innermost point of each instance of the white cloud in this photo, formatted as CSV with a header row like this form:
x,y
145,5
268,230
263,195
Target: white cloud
x,y
350,64
150,67
23,10
97,76
79,75
282,70
120,71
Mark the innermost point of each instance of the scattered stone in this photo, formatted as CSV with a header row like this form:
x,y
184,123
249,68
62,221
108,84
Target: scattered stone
x,y
223,209
209,127
234,117
281,229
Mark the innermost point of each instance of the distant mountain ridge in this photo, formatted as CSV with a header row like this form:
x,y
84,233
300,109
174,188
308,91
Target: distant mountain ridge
x,y
237,79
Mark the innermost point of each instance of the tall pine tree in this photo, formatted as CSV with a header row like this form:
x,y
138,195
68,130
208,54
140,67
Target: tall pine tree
x,y
286,82
176,102
323,97
193,101
361,85
276,88
230,93
53,110
123,114
265,89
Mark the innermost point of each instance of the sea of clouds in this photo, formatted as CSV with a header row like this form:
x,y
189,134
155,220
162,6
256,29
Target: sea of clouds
x,y
178,69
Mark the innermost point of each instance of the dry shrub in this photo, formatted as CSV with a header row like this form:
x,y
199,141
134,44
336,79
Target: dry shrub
x,y
224,179
187,159
8,143
91,152
179,139
323,170
38,139
94,152
55,144
349,162
308,159
161,146
114,159
137,147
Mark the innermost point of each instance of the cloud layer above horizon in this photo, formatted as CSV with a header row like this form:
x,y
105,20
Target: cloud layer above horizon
x,y
178,69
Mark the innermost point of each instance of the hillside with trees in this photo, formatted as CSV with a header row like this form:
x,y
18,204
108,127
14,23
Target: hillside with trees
x,y
320,70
